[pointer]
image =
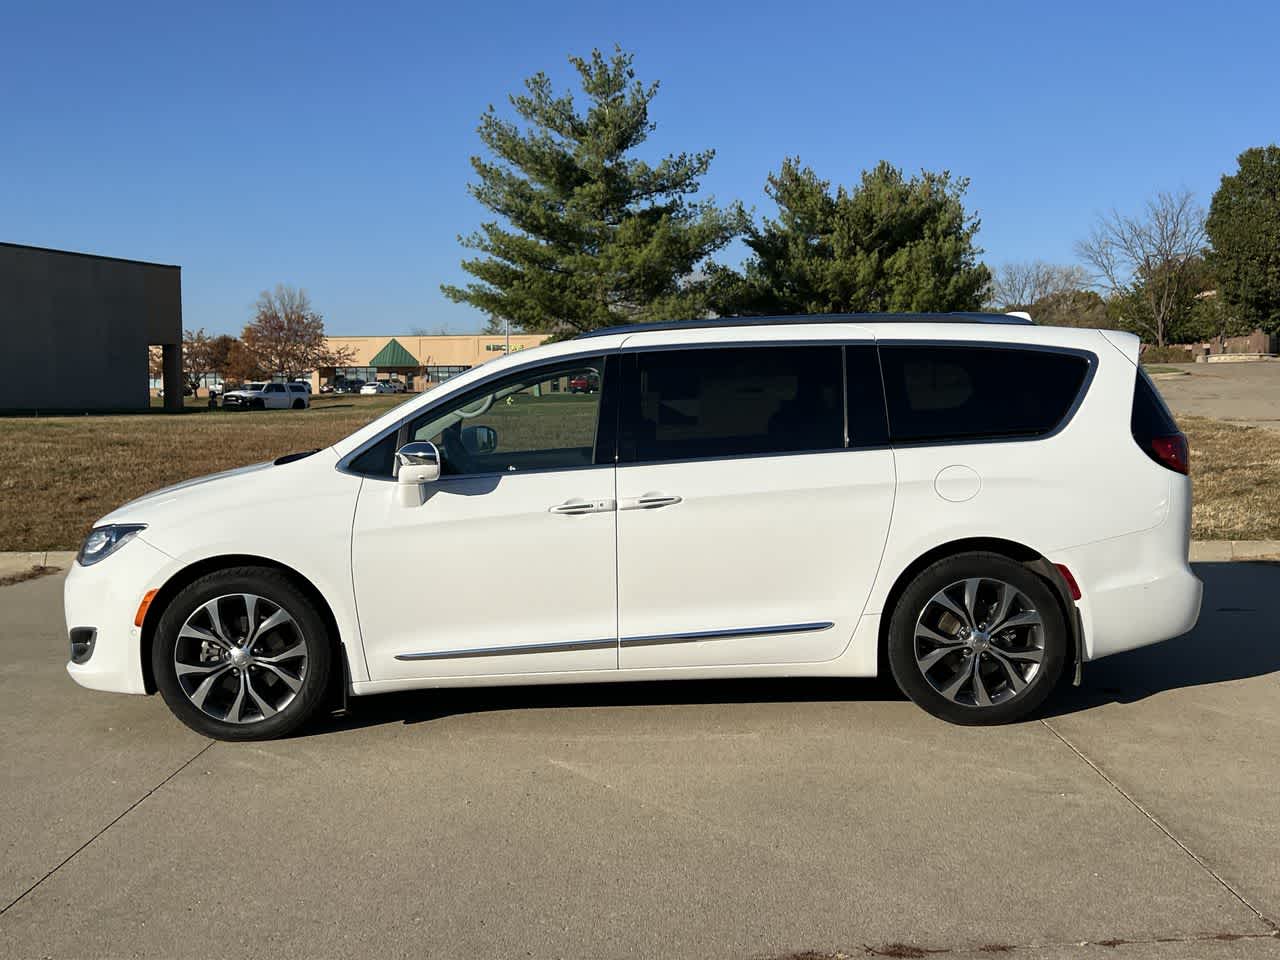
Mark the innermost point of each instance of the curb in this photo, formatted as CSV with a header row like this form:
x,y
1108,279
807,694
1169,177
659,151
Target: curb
x,y
1218,550
22,561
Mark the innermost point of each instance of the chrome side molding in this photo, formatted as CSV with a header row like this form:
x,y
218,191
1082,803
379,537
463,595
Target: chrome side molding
x,y
513,650
725,634
648,641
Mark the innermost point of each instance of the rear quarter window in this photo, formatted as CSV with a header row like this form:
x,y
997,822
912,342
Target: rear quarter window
x,y
941,393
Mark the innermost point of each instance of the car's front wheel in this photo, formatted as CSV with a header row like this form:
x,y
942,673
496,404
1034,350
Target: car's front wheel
x,y
977,638
242,654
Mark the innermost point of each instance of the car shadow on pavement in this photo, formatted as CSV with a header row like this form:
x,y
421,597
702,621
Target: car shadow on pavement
x,y
1237,637
424,706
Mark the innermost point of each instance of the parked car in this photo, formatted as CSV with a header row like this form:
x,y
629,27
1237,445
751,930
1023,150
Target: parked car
x,y
396,386
267,396
375,386
585,383
348,386
972,503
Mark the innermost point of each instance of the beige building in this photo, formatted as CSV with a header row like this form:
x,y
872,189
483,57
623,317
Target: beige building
x,y
417,361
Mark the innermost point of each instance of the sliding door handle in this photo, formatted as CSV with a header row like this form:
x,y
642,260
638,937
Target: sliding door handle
x,y
578,506
648,501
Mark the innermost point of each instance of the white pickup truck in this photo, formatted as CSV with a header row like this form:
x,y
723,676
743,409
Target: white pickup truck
x,y
268,396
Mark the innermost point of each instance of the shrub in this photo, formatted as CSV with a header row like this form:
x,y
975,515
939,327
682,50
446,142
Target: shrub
x,y
1170,354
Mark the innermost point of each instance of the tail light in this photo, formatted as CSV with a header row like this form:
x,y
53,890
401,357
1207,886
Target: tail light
x,y
1154,430
1172,452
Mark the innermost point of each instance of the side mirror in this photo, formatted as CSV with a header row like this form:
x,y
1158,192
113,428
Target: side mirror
x,y
417,463
479,439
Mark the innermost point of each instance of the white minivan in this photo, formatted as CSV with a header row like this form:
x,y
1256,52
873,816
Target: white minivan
x,y
979,504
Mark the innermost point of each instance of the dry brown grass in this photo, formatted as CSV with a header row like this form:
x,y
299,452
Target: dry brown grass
x,y
1235,472
59,474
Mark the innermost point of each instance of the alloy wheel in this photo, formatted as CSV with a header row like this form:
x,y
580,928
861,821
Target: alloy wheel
x,y
979,642
240,658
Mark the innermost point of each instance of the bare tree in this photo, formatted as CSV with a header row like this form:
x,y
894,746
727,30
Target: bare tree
x,y
1152,256
286,336
1020,285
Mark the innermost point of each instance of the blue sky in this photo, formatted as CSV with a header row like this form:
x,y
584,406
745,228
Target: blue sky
x,y
326,144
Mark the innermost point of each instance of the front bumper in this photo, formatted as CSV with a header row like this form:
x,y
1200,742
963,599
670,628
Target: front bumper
x,y
104,598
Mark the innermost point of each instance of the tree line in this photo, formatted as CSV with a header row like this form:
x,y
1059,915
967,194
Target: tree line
x,y
585,234
285,338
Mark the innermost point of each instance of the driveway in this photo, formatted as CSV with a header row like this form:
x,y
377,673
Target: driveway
x,y
1139,818
1242,392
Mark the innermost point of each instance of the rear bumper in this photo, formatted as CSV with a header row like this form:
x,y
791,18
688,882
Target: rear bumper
x,y
1137,589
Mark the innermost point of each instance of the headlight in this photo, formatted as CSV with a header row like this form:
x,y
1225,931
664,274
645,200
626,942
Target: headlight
x,y
104,541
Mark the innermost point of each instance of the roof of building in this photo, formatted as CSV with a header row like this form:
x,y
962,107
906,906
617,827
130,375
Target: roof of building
x,y
88,256
967,317
393,355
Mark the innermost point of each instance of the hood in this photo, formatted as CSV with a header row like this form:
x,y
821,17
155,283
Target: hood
x,y
242,393
171,505
168,494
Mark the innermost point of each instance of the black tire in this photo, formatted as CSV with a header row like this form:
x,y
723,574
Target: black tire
x,y
280,591
298,405
257,405
921,684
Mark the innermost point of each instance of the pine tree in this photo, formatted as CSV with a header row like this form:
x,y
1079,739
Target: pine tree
x,y
885,244
588,235
1244,226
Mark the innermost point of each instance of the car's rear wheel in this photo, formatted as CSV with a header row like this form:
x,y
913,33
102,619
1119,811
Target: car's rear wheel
x,y
242,654
977,638
298,404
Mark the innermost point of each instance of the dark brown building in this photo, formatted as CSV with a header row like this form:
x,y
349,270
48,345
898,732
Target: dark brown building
x,y
76,330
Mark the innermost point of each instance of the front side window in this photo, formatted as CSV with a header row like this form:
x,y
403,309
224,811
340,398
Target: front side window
x,y
275,388
701,403
526,422
940,393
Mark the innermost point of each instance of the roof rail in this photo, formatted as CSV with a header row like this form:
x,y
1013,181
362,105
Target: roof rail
x,y
958,317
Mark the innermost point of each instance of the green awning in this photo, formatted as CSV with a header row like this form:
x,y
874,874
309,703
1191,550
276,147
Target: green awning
x,y
393,355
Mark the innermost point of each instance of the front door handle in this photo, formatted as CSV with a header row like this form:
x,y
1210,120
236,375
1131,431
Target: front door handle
x,y
578,506
648,501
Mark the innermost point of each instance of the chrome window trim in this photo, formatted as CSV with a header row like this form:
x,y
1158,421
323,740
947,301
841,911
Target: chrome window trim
x,y
825,451
1088,356
344,465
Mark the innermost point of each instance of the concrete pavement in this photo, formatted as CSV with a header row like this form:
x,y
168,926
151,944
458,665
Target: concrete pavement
x,y
1246,393
660,820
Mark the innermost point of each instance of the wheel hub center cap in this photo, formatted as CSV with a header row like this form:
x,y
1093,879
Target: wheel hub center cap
x,y
981,641
239,657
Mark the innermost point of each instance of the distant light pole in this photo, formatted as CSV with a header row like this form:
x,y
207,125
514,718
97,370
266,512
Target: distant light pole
x,y
506,326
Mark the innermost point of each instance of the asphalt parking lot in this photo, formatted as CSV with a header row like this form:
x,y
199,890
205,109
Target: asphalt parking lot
x,y
1139,818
